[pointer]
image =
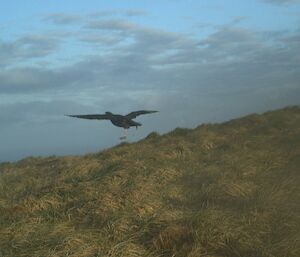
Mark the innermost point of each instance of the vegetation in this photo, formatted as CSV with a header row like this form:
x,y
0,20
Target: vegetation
x,y
228,189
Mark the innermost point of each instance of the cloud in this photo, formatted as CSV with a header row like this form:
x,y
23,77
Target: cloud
x,y
37,45
62,19
118,12
101,40
27,48
113,25
230,57
141,40
134,12
26,80
281,2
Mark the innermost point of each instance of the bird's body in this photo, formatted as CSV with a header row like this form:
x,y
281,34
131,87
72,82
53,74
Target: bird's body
x,y
123,121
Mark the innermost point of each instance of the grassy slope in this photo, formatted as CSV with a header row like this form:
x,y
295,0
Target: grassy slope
x,y
228,189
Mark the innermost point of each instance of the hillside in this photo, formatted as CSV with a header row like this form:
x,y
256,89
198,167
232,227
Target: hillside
x,y
228,189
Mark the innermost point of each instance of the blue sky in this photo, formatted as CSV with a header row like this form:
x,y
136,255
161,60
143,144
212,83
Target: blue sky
x,y
194,61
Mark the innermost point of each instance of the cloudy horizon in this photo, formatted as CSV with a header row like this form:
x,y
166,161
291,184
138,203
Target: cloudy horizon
x,y
194,62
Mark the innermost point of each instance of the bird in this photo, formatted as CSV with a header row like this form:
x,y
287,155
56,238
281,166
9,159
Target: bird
x,y
123,121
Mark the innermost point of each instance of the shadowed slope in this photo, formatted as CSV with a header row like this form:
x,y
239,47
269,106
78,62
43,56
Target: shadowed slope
x,y
228,189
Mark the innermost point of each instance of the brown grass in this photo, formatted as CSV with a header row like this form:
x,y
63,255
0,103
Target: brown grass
x,y
228,189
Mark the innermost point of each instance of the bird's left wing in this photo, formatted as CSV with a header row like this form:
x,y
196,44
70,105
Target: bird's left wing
x,y
91,116
133,115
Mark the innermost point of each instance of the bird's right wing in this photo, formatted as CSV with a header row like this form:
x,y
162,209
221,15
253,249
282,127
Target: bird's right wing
x,y
91,116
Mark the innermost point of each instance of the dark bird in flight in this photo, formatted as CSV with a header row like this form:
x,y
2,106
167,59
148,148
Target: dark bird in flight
x,y
123,121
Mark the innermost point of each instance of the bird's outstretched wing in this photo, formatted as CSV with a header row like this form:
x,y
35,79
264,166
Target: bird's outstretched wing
x,y
133,115
91,116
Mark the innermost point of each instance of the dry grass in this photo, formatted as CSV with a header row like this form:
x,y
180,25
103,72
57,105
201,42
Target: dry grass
x,y
228,189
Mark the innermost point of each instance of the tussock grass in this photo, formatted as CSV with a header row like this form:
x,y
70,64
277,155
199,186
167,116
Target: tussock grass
x,y
228,189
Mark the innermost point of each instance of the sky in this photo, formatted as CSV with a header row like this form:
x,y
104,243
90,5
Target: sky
x,y
194,61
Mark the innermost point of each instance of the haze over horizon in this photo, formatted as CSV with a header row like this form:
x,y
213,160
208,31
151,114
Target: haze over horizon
x,y
194,62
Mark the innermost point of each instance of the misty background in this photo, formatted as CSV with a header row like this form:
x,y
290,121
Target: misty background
x,y
194,61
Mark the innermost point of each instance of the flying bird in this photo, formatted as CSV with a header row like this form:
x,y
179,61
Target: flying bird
x,y
123,121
